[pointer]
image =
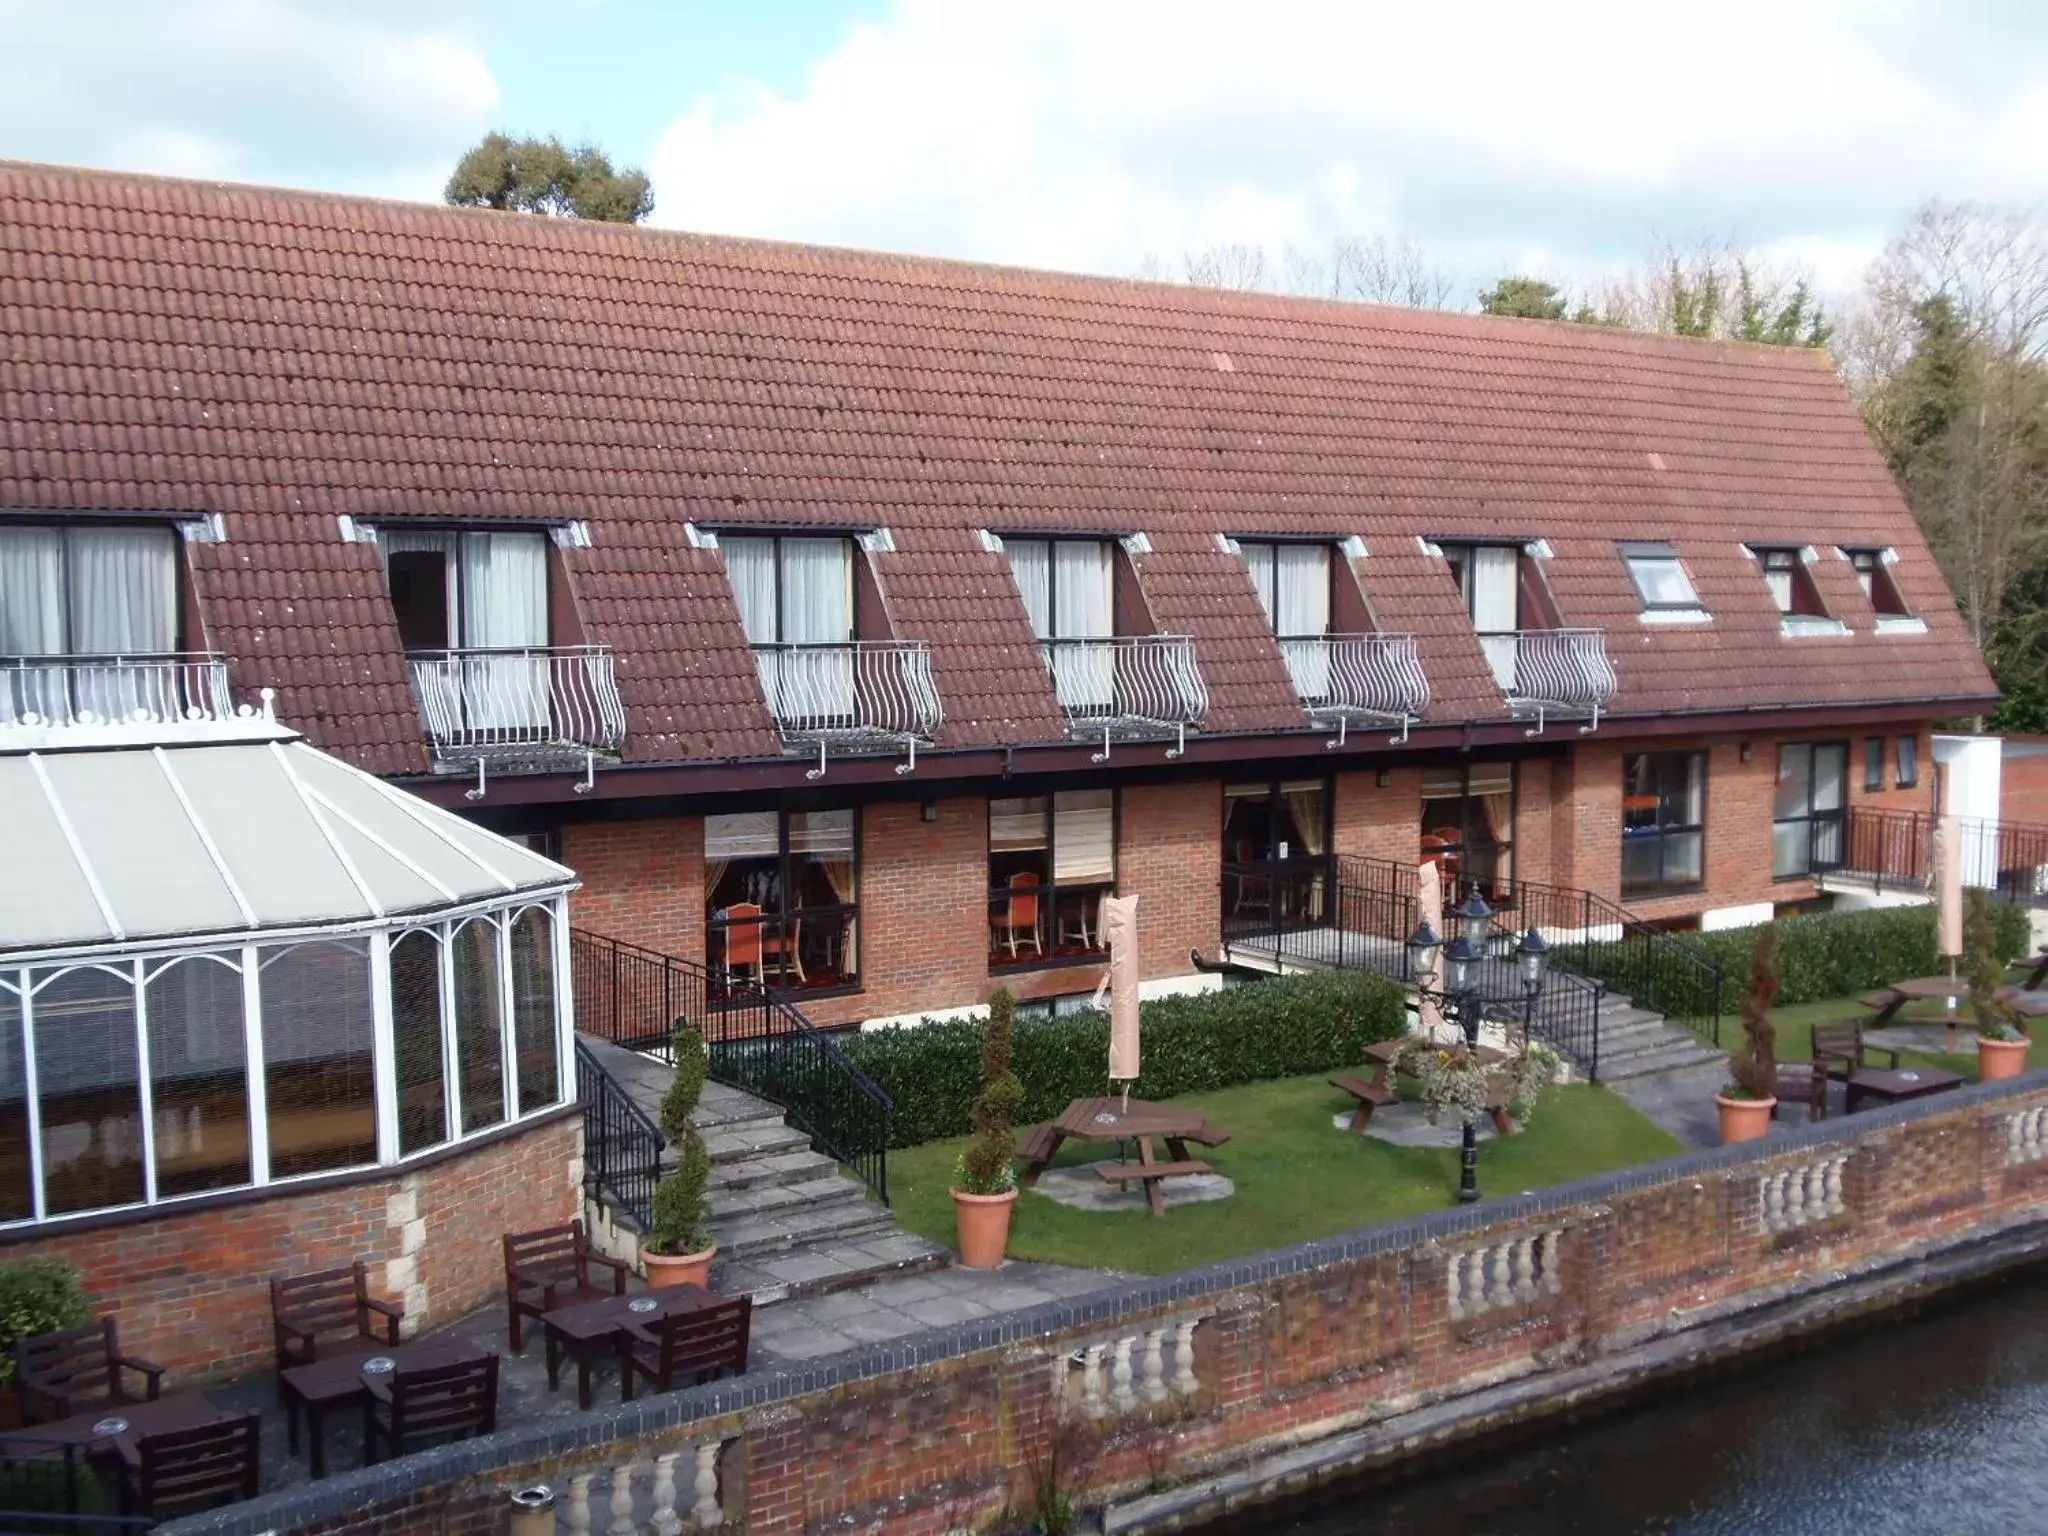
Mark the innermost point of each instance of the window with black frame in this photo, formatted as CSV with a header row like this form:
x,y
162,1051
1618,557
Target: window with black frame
x,y
1806,833
782,907
1468,826
1909,762
1663,821
1277,867
1051,860
1873,762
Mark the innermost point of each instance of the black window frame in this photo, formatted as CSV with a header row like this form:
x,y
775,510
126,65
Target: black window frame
x,y
180,617
1457,555
1499,883
1873,764
1272,548
1632,552
1907,758
1270,893
1816,822
1110,545
1664,834
1049,892
774,537
1874,576
1789,558
723,993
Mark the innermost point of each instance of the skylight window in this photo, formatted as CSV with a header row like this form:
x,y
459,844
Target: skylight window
x,y
1662,583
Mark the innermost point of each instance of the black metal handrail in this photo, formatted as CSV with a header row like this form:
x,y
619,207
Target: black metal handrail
x,y
1896,849
48,1486
759,1042
622,1146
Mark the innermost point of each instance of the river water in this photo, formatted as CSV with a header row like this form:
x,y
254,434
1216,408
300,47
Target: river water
x,y
1935,1425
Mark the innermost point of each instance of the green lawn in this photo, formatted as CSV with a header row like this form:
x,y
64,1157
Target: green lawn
x,y
1296,1177
1795,1032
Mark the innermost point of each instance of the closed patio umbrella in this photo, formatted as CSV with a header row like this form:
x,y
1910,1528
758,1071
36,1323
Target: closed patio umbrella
x,y
1119,918
1945,869
1429,908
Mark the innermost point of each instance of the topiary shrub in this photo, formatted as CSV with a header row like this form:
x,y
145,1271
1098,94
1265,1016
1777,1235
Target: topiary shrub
x,y
987,1167
693,1063
1754,1068
1288,1026
1985,970
679,1210
37,1296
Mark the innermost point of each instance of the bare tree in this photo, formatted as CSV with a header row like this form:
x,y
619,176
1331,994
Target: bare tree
x,y
1228,266
1372,270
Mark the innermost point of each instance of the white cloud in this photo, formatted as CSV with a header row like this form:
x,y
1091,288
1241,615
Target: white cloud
x,y
1076,134
378,96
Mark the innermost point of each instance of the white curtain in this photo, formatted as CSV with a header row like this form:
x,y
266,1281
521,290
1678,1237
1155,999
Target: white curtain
x,y
1082,594
1258,560
502,600
817,610
122,591
31,621
1301,608
1083,837
1030,561
1016,825
750,567
1495,580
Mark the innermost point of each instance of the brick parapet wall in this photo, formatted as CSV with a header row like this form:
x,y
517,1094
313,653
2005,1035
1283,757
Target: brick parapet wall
x,y
190,1291
938,1432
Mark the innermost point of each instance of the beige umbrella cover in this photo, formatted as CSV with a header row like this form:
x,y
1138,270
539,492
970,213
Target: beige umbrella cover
x,y
1429,908
1947,873
1119,919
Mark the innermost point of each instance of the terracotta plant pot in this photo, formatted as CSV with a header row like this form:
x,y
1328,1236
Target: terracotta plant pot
x,y
983,1223
1744,1119
2000,1059
666,1269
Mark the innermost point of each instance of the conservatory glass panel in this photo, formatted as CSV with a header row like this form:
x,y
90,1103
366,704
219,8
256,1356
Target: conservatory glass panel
x,y
533,1010
17,1200
416,1040
479,1024
198,1076
88,1090
321,1089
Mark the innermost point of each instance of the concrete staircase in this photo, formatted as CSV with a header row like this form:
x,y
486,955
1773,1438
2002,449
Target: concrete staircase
x,y
1635,1042
787,1221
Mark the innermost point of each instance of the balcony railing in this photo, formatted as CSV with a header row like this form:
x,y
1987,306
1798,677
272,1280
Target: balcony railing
x,y
1129,686
97,690
518,701
858,695
1342,678
1552,672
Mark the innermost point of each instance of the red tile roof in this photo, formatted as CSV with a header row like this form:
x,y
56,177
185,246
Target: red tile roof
x,y
283,357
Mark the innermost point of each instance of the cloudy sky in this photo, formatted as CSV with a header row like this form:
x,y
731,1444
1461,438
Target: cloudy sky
x,y
1093,134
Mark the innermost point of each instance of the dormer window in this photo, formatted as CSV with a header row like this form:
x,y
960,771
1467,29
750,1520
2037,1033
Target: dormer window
x,y
1790,584
1874,576
1293,583
1489,578
1069,590
467,591
795,596
1662,584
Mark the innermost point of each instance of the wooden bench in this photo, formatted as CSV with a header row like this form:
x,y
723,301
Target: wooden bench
x,y
1036,1150
1370,1092
1150,1174
1882,998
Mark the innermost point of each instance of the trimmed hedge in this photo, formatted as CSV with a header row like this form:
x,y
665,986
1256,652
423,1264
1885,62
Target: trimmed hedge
x,y
1286,1027
1820,955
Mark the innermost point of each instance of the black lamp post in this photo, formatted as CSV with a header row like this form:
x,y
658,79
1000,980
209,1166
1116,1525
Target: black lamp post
x,y
1456,989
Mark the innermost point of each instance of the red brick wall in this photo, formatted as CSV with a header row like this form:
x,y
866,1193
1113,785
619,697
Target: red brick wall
x,y
1169,852
2023,784
1283,1357
643,882
191,1291
1891,798
1380,823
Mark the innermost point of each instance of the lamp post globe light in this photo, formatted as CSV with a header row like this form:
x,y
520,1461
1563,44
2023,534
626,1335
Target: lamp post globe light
x,y
1456,989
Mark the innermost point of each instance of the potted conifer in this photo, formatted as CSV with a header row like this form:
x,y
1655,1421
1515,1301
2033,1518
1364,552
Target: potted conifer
x,y
1746,1103
985,1178
2002,1045
678,1249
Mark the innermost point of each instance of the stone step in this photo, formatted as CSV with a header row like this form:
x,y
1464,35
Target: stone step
x,y
1650,1063
1633,1035
733,1143
745,1237
785,1167
818,1193
819,1268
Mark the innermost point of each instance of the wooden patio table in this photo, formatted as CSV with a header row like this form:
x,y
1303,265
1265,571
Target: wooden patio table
x,y
345,1383
93,1431
592,1330
1896,1087
1921,989
1113,1120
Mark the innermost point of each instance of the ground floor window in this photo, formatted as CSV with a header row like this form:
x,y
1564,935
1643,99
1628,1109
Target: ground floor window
x,y
1468,822
1909,761
1276,853
1051,860
782,905
1663,821
1806,833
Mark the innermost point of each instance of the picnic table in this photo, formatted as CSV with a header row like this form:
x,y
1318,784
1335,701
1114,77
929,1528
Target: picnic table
x,y
592,1330
1378,1089
1921,989
2028,997
325,1385
1138,1121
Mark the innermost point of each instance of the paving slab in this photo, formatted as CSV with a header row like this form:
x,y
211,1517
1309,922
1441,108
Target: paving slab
x,y
1082,1189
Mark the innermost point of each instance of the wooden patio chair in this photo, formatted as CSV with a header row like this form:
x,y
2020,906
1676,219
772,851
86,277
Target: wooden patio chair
x,y
327,1315
1839,1049
76,1369
185,1470
451,1401
549,1269
687,1348
1803,1081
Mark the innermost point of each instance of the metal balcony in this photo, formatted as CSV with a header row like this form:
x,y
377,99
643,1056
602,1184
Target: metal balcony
x,y
859,696
163,689
1128,687
1544,672
1370,678
534,707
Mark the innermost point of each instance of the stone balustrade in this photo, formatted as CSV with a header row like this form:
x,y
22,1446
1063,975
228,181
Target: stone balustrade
x,y
1129,1372
2026,1136
1511,1273
676,1491
1804,1195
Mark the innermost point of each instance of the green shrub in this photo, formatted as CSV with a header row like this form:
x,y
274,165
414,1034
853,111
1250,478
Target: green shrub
x,y
1820,955
680,1102
679,1208
1754,1066
37,1296
1285,1027
987,1166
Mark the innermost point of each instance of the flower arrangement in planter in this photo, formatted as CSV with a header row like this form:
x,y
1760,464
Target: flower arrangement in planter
x,y
679,1249
1452,1078
985,1177
2002,1044
1746,1103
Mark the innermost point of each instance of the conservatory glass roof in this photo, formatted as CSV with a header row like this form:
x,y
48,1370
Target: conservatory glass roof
x,y
137,843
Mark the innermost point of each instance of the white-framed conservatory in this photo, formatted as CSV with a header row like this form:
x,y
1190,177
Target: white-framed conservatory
x,y
231,966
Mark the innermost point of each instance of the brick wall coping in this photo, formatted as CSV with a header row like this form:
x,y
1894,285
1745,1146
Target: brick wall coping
x,y
311,1184
360,1488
